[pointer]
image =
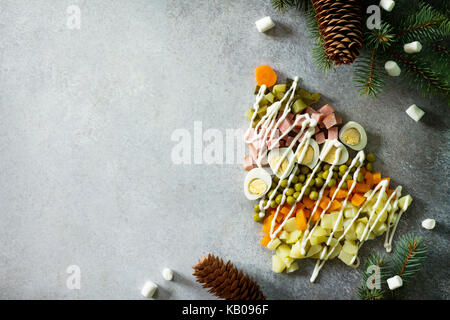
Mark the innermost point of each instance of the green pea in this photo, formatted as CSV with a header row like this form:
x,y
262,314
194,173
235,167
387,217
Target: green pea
x,y
344,185
294,179
314,195
279,198
304,170
271,191
326,167
307,191
319,182
311,183
298,187
276,179
257,209
284,183
360,177
273,204
348,177
302,178
341,174
325,174
296,195
257,218
313,189
265,203
290,191
352,169
335,175
370,157
332,183
357,164
349,162
343,168
369,166
290,200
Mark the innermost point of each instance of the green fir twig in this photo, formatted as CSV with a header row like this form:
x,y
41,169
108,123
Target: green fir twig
x,y
284,5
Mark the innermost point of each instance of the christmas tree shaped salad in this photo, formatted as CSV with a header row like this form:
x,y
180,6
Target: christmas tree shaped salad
x,y
314,199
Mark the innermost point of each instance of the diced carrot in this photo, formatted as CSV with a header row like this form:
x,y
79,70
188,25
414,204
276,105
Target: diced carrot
x,y
368,177
362,187
307,213
265,240
280,217
341,194
363,170
389,192
267,223
324,202
308,202
350,183
388,180
326,192
358,199
335,205
376,177
285,209
299,207
317,214
332,190
300,219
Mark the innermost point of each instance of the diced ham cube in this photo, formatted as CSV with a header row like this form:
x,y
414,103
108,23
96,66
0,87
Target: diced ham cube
x,y
253,151
310,111
330,120
326,110
317,116
289,140
273,143
290,116
298,121
285,125
248,163
339,119
321,125
333,133
317,129
282,143
320,137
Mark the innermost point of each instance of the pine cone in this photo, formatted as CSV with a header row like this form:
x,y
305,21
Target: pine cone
x,y
225,280
341,26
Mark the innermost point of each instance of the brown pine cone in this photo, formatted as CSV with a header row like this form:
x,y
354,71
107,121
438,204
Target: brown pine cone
x,y
225,280
341,26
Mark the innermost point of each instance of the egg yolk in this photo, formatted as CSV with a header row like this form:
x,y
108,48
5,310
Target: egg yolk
x,y
283,166
257,186
351,136
331,155
309,155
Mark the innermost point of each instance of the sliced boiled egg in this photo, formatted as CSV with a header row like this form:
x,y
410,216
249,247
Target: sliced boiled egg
x,y
256,184
280,163
311,155
353,135
329,152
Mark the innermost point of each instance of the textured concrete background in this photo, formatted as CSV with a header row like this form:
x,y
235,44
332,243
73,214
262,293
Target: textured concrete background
x,y
86,176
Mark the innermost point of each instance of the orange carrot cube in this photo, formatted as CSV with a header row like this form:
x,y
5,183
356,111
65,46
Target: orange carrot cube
x,y
358,199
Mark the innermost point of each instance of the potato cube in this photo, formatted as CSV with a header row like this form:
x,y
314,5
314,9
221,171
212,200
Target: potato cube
x,y
291,225
350,247
283,235
313,250
273,244
345,257
293,267
296,251
379,229
319,231
350,212
287,261
318,239
283,251
360,227
351,233
335,251
329,220
277,264
405,202
293,236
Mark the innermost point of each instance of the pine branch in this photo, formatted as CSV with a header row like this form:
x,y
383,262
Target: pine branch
x,y
366,292
368,76
408,257
284,5
321,59
427,24
423,77
380,38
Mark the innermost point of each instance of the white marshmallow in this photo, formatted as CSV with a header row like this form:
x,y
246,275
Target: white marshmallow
x,y
395,282
167,274
415,112
412,47
264,24
149,289
392,68
387,5
429,224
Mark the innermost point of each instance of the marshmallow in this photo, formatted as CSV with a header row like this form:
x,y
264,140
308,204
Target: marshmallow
x,y
412,47
167,274
429,224
415,112
392,68
149,289
387,5
264,24
394,282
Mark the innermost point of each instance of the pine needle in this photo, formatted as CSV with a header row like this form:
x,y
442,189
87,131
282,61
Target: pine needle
x,y
408,257
284,5
381,271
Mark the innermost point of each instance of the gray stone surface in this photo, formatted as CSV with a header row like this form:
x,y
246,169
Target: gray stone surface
x,y
85,141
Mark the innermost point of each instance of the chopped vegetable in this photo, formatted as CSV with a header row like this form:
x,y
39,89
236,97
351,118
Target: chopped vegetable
x,y
265,75
358,200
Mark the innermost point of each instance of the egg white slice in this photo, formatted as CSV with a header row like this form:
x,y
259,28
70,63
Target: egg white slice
x,y
327,147
362,135
289,157
257,173
315,147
